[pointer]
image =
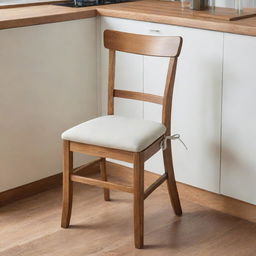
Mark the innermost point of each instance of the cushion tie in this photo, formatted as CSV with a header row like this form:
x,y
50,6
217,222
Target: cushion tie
x,y
172,137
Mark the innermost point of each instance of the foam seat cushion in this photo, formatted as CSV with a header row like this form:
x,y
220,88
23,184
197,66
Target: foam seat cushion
x,y
117,132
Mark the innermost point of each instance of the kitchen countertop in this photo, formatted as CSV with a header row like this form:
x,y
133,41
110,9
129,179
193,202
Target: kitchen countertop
x,y
152,11
42,14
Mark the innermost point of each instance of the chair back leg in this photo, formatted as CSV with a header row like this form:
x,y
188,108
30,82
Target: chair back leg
x,y
171,183
103,173
67,185
138,184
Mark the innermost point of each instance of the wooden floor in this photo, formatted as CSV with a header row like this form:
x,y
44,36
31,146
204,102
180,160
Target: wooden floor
x,y
31,227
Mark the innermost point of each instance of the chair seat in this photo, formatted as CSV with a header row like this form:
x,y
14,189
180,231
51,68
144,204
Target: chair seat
x,y
117,132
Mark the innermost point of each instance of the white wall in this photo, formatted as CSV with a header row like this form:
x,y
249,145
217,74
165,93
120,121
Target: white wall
x,y
48,84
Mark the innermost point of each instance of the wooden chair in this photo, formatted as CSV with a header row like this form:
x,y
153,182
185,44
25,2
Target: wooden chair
x,y
108,137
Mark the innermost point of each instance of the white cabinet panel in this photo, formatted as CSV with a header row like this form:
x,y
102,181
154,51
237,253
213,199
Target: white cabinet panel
x,y
196,104
238,172
48,84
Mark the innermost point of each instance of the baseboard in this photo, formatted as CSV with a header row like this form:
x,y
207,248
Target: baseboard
x,y
208,199
42,185
205,198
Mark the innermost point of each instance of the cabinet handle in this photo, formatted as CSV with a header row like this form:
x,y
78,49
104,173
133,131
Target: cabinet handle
x,y
154,30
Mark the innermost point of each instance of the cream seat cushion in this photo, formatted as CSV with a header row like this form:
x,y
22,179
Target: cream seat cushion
x,y
116,132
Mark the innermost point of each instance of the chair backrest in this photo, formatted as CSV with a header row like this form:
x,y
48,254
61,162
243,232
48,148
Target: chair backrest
x,y
160,46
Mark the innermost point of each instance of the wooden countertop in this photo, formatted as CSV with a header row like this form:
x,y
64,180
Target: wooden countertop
x,y
42,14
152,11
163,12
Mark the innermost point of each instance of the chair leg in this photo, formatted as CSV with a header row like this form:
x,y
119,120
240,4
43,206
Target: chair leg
x,y
103,172
138,200
67,185
171,183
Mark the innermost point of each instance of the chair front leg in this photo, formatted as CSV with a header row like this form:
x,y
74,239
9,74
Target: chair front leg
x,y
138,200
67,185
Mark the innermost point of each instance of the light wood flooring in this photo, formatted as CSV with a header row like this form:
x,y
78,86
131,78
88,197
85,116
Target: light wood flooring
x,y
31,227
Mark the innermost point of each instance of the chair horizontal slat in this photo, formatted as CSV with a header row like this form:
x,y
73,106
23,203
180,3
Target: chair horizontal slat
x,y
155,185
102,184
138,96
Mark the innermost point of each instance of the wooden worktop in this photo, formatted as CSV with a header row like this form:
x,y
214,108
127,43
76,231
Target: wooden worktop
x,y
42,14
166,13
152,11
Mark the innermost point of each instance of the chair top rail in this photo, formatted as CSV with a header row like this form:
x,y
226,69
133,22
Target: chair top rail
x,y
161,46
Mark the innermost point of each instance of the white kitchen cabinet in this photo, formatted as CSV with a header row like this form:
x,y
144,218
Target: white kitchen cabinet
x,y
197,98
196,104
48,84
238,168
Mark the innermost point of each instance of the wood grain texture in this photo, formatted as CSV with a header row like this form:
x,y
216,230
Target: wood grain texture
x,y
164,12
67,197
138,96
138,200
103,173
102,184
102,151
168,94
171,183
161,46
43,14
30,227
111,80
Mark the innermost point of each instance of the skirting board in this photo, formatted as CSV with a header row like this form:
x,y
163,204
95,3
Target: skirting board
x,y
202,197
124,174
42,185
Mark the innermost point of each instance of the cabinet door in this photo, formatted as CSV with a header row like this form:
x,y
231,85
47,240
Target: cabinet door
x,y
196,104
238,169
